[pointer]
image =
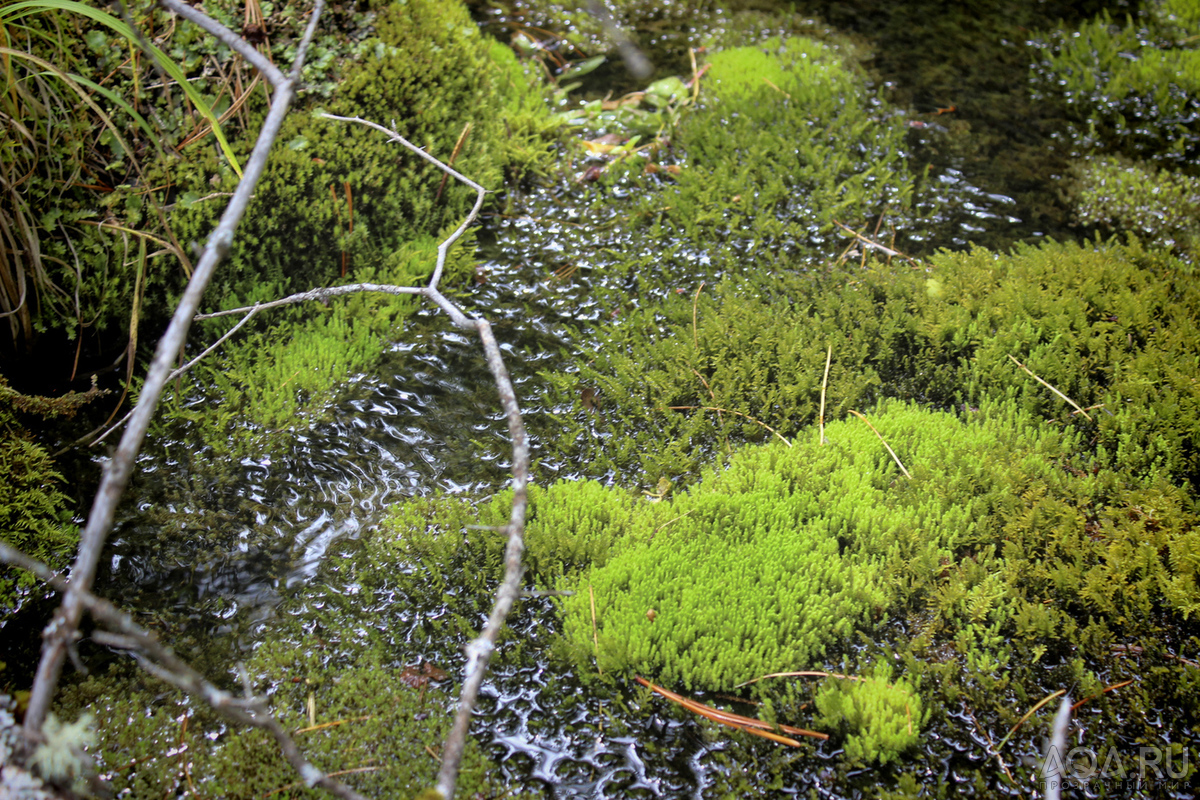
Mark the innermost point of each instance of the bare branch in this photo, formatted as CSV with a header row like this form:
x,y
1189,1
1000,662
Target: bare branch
x,y
479,652
175,373
231,40
63,628
444,247
316,294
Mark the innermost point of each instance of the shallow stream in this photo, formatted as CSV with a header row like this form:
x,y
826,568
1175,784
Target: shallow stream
x,y
215,552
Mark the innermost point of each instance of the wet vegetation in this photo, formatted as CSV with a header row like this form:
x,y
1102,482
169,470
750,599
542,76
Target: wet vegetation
x,y
944,490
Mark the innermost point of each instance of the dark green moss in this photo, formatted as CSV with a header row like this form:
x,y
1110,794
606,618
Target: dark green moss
x,y
35,513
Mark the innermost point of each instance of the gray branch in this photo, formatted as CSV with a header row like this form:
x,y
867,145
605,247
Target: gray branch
x,y
231,40
63,629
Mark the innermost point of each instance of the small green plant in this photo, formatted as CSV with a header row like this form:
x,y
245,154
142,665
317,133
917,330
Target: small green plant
x,y
880,718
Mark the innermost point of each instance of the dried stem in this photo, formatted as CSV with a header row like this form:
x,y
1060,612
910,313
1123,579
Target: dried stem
x,y
1051,388
885,444
727,411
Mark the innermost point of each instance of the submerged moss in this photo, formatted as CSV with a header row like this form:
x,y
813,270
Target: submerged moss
x,y
1134,85
788,139
35,512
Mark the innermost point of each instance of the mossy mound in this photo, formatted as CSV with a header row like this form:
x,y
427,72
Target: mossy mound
x,y
768,563
786,141
1109,325
1160,205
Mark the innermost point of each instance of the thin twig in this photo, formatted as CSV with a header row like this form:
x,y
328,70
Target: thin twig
x,y
479,651
871,244
595,636
1051,388
885,444
62,630
175,373
481,192
747,724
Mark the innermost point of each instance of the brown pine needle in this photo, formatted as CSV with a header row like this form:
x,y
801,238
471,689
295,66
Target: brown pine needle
x,y
1073,404
747,724
1029,714
1105,690
727,411
885,444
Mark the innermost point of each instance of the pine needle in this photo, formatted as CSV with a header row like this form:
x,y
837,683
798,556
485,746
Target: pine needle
x,y
885,444
748,724
1051,388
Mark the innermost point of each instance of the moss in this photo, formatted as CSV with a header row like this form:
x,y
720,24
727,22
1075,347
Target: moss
x,y
787,141
766,564
1135,84
1107,324
387,749
881,719
1160,205
35,513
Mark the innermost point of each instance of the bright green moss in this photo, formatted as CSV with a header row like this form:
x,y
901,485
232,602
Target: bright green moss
x,y
880,719
766,564
1135,83
786,141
